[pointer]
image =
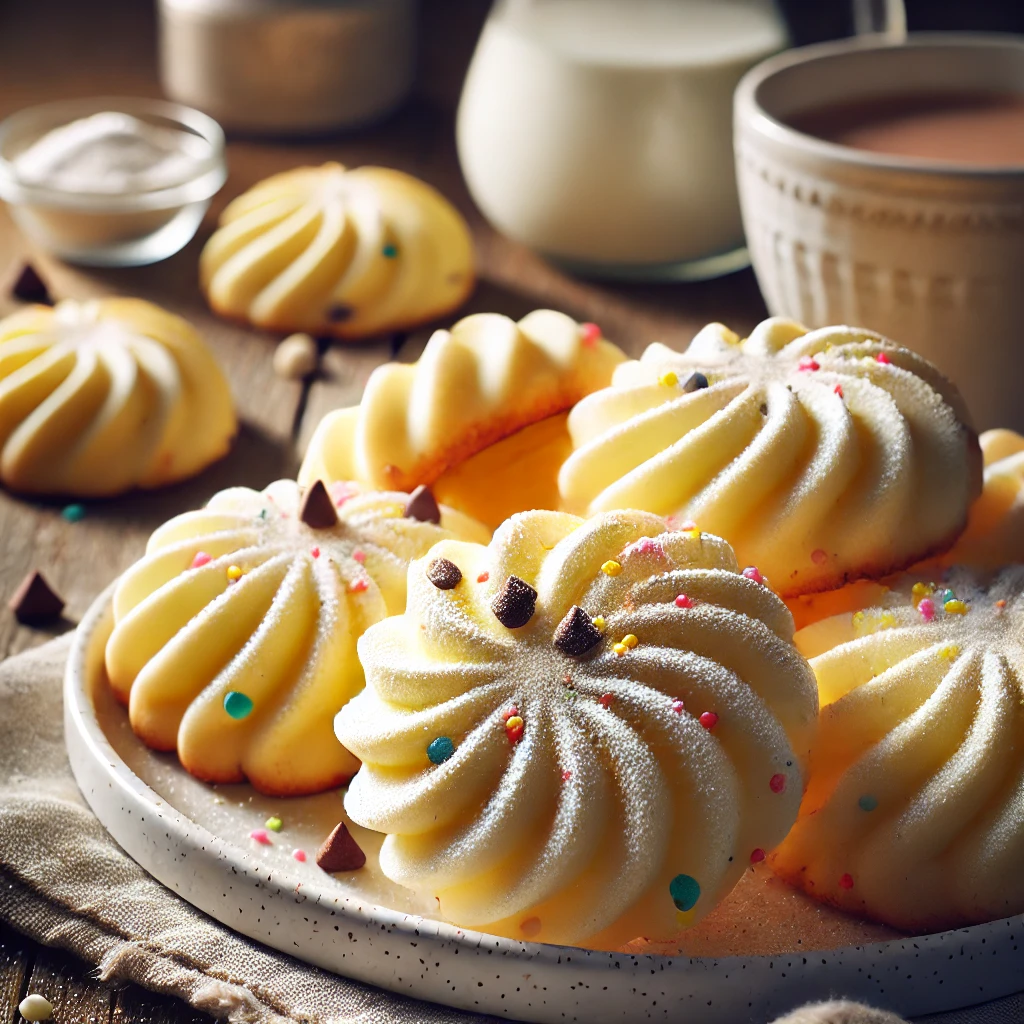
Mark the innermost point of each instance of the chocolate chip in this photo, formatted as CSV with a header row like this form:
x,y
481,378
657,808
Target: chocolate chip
x,y
30,287
695,382
317,509
340,852
35,602
443,574
422,506
339,313
514,604
576,633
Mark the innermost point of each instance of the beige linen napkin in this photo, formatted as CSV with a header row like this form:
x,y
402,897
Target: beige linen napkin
x,y
65,882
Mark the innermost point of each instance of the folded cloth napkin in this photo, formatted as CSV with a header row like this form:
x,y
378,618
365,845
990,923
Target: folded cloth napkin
x,y
65,882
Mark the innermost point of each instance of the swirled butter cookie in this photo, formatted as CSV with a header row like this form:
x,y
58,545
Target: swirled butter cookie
x,y
480,417
102,396
338,251
582,733
823,456
235,636
914,812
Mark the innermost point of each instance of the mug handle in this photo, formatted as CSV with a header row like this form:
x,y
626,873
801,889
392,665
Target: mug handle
x,y
881,17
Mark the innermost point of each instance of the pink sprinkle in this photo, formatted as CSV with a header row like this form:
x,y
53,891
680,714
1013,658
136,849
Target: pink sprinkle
x,y
777,783
359,586
678,707
756,856
645,546
682,601
340,492
809,363
606,700
880,358
926,606
359,555
299,855
566,775
838,389
709,720
589,333
483,577
753,573
261,837
846,882
510,713
315,552
201,559
688,525
819,557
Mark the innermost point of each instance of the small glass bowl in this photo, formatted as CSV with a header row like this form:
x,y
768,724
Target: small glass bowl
x,y
110,230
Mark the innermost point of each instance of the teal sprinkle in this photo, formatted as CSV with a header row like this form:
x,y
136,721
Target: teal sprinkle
x,y
73,513
948,595
390,251
685,891
263,513
440,750
867,802
237,705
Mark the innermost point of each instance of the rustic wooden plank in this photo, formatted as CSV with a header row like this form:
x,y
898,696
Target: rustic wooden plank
x,y
15,963
77,997
134,1005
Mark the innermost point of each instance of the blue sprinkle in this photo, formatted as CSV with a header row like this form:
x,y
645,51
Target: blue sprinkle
x,y
440,750
685,891
73,513
390,251
237,705
867,803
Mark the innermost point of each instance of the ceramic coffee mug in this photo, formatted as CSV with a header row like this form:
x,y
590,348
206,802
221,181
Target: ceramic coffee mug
x,y
926,252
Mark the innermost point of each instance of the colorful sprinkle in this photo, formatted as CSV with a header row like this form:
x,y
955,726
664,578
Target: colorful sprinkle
x,y
695,382
885,360
630,641
685,891
234,573
682,601
566,775
919,591
599,623
808,363
955,607
315,552
514,729
440,750
819,557
359,555
73,513
511,713
646,546
275,824
606,700
948,595
389,252
708,719
687,526
260,836
950,652
838,389
1000,604
589,334
483,577
668,379
201,559
777,783
238,705
753,573
846,882
620,649
926,606
611,568
693,533
358,586
299,855
340,491
757,855
867,802
530,927
678,707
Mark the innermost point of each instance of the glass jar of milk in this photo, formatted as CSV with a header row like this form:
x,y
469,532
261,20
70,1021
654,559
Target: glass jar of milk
x,y
599,132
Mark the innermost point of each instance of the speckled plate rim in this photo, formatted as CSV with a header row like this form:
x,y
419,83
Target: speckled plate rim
x,y
484,973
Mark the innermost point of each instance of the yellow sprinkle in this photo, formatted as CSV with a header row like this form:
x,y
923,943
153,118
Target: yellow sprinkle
x,y
630,641
668,379
611,568
234,573
598,621
949,652
955,607
620,649
684,918
920,591
887,620
514,722
693,534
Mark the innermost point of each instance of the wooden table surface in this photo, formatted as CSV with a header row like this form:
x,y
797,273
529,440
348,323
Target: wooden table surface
x,y
52,49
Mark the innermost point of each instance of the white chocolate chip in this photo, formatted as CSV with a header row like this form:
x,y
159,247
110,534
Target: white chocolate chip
x,y
296,357
35,1007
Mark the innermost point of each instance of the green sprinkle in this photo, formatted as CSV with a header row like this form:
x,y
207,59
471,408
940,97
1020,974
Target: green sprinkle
x,y
237,705
390,251
440,750
867,802
274,824
73,513
685,891
263,513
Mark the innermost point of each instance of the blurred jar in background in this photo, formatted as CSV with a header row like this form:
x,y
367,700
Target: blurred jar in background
x,y
288,67
599,132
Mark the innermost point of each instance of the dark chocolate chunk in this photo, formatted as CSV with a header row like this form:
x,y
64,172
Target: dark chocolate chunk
x,y
339,313
443,574
695,382
317,508
35,601
340,852
30,287
422,505
514,604
576,633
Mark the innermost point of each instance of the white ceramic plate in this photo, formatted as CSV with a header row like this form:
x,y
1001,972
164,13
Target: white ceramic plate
x,y
195,839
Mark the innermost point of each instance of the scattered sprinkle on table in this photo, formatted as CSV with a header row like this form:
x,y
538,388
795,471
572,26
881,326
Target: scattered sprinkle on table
x,y
274,823
35,1007
73,513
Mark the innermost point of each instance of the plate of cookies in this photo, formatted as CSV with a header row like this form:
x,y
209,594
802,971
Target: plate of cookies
x,y
561,686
